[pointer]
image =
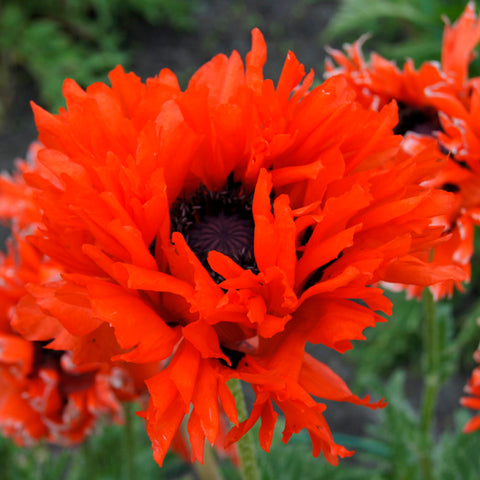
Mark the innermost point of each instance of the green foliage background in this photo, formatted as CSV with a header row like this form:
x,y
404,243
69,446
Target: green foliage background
x,y
398,28
84,39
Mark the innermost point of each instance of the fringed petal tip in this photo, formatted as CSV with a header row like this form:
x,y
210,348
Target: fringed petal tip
x,y
472,425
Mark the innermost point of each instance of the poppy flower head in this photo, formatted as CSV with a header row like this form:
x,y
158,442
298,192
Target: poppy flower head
x,y
215,231
433,102
44,395
431,88
49,399
473,400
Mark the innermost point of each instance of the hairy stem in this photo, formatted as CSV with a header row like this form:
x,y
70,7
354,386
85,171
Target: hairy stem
x,y
431,365
246,446
129,440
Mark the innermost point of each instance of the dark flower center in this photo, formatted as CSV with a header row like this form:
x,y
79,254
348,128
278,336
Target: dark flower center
x,y
424,121
230,235
44,357
450,187
217,220
234,356
419,120
50,359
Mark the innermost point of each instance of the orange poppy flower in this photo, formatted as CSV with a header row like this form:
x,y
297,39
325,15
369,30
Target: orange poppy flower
x,y
47,391
43,393
421,93
473,400
17,205
431,100
220,229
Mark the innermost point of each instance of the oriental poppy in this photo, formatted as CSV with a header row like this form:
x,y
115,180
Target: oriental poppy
x,y
473,400
47,390
432,101
43,393
219,229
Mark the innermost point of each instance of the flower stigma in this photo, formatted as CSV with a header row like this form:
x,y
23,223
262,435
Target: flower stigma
x,y
217,220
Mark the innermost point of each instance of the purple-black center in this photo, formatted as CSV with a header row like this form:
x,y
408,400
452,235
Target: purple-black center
x,y
415,119
217,220
230,235
424,121
51,359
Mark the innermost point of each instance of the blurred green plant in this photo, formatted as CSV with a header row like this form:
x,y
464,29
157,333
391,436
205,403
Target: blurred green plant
x,y
420,438
454,454
101,456
398,28
398,342
84,39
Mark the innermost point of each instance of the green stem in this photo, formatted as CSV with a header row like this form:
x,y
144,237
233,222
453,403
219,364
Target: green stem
x,y
129,440
431,365
429,401
84,461
246,446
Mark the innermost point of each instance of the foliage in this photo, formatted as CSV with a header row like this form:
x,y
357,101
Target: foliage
x,y
455,454
398,28
101,457
82,39
398,341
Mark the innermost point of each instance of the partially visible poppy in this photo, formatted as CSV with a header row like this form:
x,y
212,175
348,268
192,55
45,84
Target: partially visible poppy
x,y
473,399
43,394
431,99
17,207
219,229
47,391
421,93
